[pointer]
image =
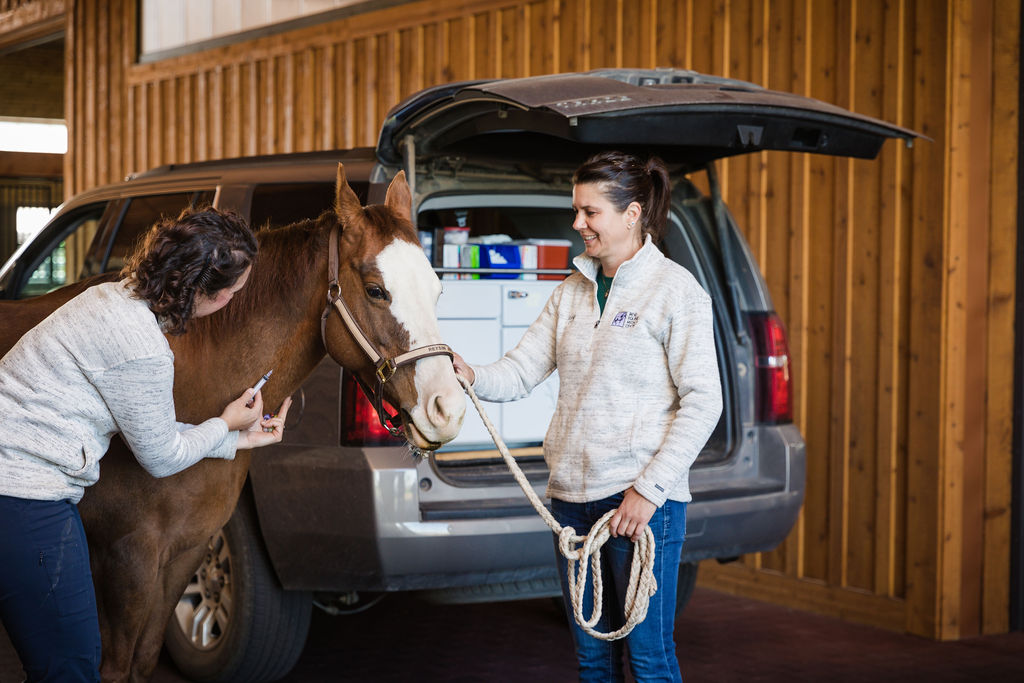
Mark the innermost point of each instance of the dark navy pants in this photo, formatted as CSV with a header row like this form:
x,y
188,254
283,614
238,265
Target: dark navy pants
x,y
47,600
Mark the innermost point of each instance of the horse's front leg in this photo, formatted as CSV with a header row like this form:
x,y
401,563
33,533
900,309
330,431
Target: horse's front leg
x,y
173,579
125,575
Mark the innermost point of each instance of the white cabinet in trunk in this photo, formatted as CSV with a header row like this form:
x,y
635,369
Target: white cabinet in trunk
x,y
481,320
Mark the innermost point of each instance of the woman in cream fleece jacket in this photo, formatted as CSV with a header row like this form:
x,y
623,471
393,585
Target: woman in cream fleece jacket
x,y
97,366
639,395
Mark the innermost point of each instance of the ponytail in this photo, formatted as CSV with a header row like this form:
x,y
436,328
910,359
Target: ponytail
x,y
655,215
624,179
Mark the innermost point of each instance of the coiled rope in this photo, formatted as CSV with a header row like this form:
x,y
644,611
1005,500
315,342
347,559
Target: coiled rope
x,y
581,551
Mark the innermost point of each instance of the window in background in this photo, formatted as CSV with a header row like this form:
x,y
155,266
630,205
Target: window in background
x,y
52,272
31,219
172,27
18,134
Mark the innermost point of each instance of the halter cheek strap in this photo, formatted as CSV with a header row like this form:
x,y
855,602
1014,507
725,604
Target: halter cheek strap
x,y
384,368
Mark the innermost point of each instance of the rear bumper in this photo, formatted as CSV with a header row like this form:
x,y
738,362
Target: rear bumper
x,y
750,503
341,519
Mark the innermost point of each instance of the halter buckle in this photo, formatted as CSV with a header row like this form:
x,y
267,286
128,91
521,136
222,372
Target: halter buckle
x,y
386,370
333,291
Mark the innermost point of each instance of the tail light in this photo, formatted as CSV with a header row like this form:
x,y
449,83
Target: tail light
x,y
773,393
360,425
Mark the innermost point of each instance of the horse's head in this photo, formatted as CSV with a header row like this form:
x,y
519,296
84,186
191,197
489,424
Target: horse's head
x,y
391,291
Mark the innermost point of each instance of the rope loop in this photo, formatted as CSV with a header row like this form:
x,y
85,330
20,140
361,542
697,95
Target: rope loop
x,y
584,552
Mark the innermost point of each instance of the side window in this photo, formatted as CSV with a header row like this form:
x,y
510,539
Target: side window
x,y
285,203
143,212
61,262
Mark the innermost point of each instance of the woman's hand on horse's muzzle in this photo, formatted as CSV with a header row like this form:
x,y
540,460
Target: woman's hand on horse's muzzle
x,y
268,430
463,368
239,416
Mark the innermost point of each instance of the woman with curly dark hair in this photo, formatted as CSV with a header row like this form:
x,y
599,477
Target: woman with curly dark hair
x,y
98,366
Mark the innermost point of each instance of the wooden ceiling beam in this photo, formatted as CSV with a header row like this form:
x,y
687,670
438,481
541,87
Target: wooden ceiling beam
x,y
31,165
32,22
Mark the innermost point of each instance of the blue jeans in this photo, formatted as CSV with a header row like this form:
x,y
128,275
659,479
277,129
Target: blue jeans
x,y
47,600
652,650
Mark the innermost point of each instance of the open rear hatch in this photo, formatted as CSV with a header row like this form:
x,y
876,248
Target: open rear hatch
x,y
500,130
687,117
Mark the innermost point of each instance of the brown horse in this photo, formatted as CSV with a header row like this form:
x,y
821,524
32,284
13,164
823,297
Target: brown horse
x,y
147,535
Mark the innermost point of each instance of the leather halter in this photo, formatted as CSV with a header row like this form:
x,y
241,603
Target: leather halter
x,y
385,367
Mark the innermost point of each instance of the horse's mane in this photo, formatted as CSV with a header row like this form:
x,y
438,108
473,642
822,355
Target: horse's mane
x,y
286,255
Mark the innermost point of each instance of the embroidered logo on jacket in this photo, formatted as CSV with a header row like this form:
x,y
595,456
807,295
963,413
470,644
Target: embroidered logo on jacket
x,y
625,319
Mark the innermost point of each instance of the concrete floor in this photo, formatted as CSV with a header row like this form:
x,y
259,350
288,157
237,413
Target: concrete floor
x,y
720,638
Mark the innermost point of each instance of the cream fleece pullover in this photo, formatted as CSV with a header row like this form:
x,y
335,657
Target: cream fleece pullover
x,y
639,391
96,366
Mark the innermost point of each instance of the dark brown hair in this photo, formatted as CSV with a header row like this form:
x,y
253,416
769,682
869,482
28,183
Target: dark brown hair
x,y
202,251
624,178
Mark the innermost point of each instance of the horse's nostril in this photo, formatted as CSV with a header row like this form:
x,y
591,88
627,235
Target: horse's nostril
x,y
445,410
438,413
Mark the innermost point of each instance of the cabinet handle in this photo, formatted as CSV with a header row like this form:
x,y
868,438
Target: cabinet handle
x,y
517,294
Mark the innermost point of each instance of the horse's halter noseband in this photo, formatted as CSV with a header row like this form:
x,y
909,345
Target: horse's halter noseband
x,y
385,367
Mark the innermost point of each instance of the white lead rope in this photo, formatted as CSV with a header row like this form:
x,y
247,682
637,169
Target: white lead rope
x,y
642,584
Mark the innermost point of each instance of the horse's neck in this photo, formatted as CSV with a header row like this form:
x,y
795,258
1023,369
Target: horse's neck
x,y
281,334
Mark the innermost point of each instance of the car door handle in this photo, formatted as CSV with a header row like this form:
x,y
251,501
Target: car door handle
x,y
517,294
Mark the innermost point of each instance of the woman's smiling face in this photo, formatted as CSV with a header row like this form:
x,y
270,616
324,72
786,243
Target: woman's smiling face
x,y
609,235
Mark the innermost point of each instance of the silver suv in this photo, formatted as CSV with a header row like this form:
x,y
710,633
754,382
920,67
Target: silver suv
x,y
340,513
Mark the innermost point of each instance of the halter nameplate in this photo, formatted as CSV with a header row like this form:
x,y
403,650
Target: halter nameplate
x,y
385,368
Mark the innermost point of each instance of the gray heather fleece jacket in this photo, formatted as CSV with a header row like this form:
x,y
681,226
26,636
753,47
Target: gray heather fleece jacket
x,y
96,366
639,391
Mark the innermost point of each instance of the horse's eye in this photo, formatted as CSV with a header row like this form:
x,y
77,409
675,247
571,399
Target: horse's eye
x,y
375,292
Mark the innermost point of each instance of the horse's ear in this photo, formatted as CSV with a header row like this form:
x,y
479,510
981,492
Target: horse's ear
x,y
399,197
346,203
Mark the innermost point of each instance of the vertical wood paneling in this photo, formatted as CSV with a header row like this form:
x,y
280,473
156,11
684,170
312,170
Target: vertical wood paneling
x,y
900,319
326,139
817,360
540,44
102,77
89,117
674,39
798,238
841,312
510,29
153,114
955,293
866,219
285,121
977,215
890,387
925,318
306,96
1003,210
185,110
784,269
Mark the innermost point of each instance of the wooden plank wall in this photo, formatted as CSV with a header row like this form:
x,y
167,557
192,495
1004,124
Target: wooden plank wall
x,y
895,276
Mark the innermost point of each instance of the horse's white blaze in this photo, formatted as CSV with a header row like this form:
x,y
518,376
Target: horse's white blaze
x,y
414,289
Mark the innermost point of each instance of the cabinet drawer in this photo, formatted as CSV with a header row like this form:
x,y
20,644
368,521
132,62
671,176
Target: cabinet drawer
x,y
479,342
463,299
522,302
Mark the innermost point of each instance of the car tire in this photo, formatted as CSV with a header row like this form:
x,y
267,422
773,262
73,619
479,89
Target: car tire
x,y
685,584
234,622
